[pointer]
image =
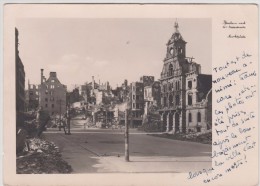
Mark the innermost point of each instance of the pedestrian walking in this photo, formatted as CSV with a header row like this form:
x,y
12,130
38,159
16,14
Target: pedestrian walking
x,y
64,123
68,115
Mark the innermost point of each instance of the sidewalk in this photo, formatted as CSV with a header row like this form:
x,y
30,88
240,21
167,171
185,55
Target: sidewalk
x,y
139,164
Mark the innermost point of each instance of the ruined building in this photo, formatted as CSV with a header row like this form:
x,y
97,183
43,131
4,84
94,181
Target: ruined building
x,y
52,94
32,97
147,80
93,92
19,83
137,103
185,92
152,95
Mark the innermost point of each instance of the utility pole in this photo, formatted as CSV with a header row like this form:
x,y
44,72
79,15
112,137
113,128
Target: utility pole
x,y
126,136
106,116
60,116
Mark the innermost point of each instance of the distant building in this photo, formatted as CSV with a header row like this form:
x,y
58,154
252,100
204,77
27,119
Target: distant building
x,y
83,90
99,97
74,96
105,86
33,97
89,90
26,107
184,90
147,80
152,95
137,103
19,83
122,92
52,94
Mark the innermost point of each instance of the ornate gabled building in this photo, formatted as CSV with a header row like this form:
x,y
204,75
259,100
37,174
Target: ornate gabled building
x,y
52,94
183,89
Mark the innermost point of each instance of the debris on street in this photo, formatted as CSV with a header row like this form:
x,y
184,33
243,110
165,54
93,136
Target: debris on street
x,y
41,157
200,137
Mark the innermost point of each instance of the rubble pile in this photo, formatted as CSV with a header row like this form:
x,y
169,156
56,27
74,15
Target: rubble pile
x,y
151,124
151,127
152,121
200,137
41,157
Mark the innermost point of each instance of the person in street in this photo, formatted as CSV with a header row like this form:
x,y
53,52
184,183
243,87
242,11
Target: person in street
x,y
42,118
64,123
68,120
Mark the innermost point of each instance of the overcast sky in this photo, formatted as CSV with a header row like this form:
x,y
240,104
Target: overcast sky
x,y
109,49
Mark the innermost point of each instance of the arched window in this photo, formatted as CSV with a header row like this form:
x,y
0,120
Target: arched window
x,y
190,117
170,70
199,117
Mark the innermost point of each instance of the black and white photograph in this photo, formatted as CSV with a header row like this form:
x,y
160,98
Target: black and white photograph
x,y
113,95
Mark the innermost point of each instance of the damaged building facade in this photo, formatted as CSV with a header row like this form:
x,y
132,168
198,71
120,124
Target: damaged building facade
x,y
137,103
185,92
152,95
52,94
19,83
32,97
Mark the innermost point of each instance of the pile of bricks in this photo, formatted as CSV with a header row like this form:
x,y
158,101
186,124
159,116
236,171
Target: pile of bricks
x,y
41,157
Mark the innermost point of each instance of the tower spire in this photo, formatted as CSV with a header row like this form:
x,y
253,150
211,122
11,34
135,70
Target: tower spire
x,y
176,26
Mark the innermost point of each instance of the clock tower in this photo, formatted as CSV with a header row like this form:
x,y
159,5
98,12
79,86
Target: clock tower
x,y
173,82
176,46
183,89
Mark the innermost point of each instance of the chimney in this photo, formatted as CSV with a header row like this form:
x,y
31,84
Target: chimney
x,y
107,86
41,76
93,83
53,74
